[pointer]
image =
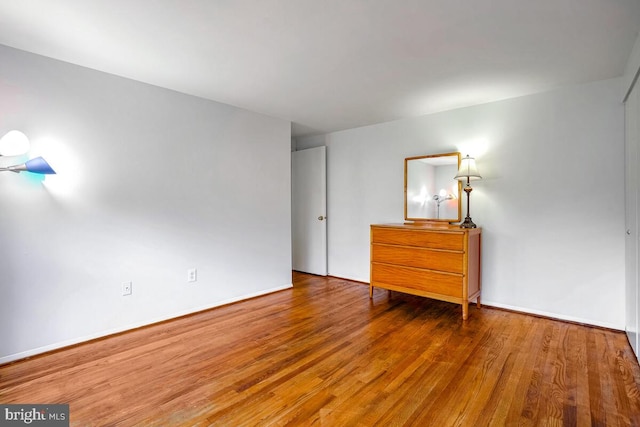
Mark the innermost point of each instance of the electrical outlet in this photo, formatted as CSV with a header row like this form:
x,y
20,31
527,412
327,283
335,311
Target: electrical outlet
x,y
192,275
127,288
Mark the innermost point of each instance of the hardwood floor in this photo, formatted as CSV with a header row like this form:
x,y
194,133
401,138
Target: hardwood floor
x,y
324,354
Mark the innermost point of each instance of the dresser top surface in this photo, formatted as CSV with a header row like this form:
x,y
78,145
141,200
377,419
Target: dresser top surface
x,y
433,227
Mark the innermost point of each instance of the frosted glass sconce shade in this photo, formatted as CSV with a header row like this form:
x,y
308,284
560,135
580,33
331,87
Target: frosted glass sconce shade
x,y
14,143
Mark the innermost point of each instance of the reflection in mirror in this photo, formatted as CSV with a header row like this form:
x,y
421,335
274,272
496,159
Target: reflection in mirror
x,y
431,192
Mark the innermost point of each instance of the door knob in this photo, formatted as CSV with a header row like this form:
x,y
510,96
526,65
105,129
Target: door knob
x,y
320,218
628,232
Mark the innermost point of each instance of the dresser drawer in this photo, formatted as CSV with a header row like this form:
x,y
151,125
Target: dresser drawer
x,y
421,280
450,261
420,238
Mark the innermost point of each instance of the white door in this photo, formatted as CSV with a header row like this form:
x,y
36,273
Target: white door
x,y
309,210
632,163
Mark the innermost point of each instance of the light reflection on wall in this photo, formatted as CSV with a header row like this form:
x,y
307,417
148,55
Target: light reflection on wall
x,y
475,147
69,171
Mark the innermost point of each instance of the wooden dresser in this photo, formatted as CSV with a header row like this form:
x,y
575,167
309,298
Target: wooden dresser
x,y
440,262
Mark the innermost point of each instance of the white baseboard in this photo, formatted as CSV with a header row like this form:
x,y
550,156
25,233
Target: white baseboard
x,y
554,315
79,340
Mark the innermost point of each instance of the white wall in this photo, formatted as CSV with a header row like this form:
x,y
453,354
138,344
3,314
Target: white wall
x,y
551,204
150,183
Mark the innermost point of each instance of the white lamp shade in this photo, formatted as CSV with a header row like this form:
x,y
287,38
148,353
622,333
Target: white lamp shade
x,y
468,170
14,143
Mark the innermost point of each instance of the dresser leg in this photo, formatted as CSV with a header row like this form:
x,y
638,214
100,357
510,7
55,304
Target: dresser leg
x,y
370,291
478,302
465,310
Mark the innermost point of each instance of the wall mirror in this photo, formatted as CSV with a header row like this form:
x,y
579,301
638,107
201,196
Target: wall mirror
x,y
430,191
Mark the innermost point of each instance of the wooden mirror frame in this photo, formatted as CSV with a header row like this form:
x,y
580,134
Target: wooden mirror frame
x,y
435,160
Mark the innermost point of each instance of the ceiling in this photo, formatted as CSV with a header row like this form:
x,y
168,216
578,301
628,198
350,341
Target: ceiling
x,y
328,65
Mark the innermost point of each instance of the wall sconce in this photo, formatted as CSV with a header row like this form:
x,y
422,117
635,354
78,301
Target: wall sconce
x,y
468,171
16,143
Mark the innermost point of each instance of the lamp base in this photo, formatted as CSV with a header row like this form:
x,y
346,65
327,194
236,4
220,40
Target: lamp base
x,y
468,223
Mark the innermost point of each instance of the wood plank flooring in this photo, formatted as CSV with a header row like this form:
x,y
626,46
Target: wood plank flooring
x,y
323,354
